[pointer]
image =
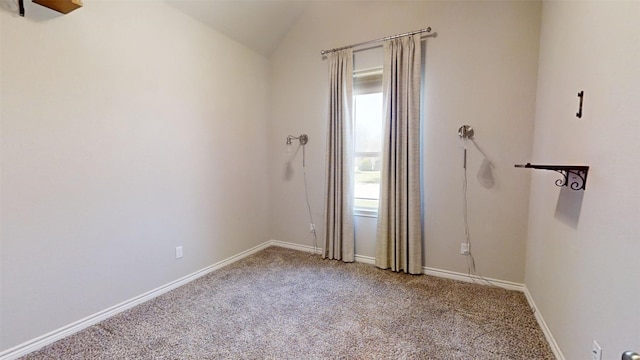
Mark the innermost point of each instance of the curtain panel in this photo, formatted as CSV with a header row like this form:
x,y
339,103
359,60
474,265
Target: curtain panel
x,y
339,241
399,229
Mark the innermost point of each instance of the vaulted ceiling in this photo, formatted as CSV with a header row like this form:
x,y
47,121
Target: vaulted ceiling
x,y
258,24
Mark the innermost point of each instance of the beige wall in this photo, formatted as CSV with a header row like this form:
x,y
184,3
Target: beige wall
x,y
480,70
582,252
125,135
127,129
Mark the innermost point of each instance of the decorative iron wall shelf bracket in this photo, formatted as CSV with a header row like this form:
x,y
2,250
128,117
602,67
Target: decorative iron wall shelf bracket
x,y
573,176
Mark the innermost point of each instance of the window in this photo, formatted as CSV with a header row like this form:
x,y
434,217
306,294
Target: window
x,y
368,130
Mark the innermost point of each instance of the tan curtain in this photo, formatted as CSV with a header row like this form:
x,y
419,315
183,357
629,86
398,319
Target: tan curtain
x,y
399,231
339,241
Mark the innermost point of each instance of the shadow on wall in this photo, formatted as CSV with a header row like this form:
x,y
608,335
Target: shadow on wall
x,y
288,170
10,6
33,12
569,206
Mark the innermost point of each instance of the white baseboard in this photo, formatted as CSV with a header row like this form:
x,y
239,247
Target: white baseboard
x,y
426,270
293,246
315,250
472,278
365,259
55,335
543,325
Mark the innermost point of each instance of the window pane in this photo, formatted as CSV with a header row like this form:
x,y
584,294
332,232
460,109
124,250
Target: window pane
x,y
367,181
368,122
368,145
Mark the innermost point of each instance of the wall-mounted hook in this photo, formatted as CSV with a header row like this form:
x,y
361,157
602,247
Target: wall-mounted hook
x,y
21,7
581,96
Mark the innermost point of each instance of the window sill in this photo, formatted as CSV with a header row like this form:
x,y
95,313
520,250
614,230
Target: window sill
x,y
365,212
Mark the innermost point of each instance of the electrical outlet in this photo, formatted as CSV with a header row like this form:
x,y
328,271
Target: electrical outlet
x,y
464,249
596,351
179,252
312,228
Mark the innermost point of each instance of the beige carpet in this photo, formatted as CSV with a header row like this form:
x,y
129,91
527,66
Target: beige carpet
x,y
285,304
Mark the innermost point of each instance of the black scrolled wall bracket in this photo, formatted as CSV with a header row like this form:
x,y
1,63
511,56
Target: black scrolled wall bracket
x,y
21,7
573,176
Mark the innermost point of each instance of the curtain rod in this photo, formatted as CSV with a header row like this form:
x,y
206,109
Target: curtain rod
x,y
427,30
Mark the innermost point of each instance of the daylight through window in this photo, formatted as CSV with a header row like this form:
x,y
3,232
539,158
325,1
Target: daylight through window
x,y
368,122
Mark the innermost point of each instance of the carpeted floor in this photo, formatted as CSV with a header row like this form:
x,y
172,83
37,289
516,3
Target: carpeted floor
x,y
286,304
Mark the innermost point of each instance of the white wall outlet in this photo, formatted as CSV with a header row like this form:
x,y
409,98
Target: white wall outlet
x,y
596,351
178,252
312,228
464,249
